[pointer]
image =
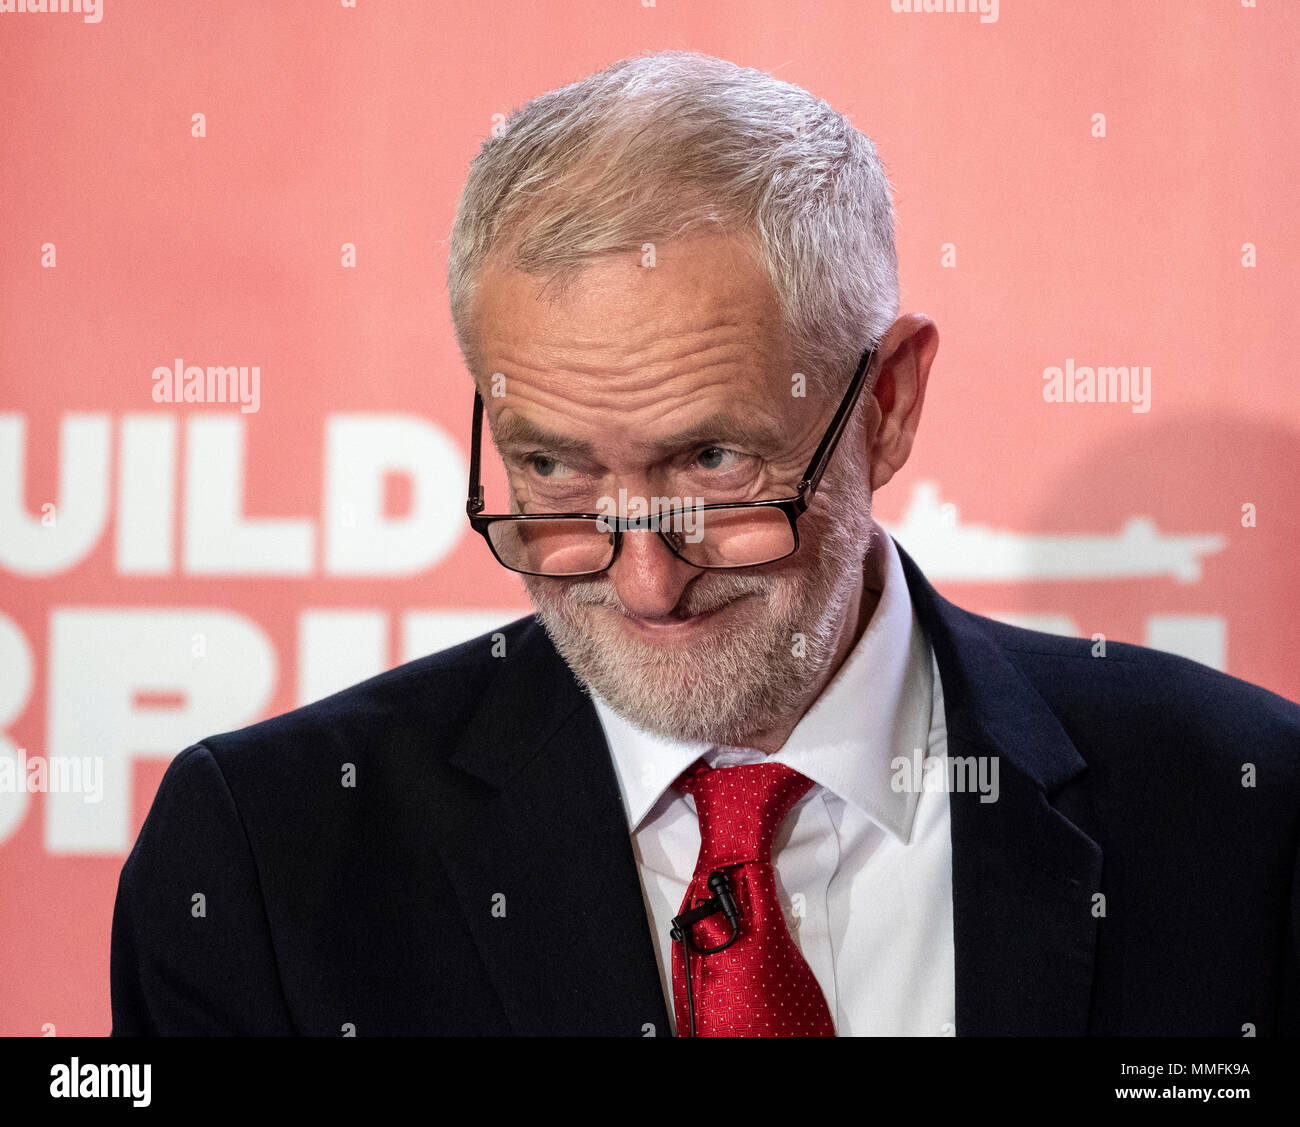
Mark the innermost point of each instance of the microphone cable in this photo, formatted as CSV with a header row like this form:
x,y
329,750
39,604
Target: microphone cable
x,y
724,901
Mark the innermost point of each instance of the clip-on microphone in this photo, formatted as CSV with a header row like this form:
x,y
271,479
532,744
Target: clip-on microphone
x,y
723,901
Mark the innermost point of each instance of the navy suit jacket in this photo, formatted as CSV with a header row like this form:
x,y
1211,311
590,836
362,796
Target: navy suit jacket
x,y
478,878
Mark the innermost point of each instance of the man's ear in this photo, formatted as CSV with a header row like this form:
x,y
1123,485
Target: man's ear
x,y
904,357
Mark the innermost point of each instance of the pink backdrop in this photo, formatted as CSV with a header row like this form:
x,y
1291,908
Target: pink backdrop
x,y
203,566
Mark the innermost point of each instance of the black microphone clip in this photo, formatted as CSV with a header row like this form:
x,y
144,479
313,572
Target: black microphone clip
x,y
723,901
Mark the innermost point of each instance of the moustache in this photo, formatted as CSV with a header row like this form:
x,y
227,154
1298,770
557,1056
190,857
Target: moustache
x,y
695,599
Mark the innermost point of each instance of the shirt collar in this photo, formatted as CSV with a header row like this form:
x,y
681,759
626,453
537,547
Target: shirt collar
x,y
877,707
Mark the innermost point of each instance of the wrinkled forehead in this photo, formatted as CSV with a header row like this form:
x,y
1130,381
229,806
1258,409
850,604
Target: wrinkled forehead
x,y
637,358
613,310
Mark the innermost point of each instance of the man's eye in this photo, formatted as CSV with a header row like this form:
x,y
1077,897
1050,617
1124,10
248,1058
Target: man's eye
x,y
544,466
716,458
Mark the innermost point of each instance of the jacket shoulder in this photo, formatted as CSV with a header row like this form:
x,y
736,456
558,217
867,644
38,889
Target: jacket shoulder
x,y
430,695
1126,690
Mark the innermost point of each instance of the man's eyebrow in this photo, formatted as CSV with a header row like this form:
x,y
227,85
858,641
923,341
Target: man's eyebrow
x,y
755,434
514,432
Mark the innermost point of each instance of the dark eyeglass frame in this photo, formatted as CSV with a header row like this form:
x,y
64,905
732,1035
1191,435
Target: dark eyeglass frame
x,y
792,507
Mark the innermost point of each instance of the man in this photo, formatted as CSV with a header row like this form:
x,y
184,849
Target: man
x,y
686,797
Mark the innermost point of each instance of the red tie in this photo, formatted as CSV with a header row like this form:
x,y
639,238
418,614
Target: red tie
x,y
760,986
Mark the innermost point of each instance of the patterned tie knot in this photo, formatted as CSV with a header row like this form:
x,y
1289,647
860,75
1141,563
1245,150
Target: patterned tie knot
x,y
740,809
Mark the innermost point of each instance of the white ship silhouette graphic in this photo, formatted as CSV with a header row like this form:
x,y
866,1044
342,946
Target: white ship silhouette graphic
x,y
945,549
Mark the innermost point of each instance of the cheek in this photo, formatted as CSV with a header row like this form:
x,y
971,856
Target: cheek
x,y
784,601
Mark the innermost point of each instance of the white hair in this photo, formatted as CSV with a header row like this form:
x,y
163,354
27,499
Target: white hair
x,y
670,143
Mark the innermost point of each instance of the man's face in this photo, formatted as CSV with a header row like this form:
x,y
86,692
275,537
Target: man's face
x,y
677,381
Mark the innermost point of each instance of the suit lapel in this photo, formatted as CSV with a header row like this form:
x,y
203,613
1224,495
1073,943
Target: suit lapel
x,y
1023,874
536,845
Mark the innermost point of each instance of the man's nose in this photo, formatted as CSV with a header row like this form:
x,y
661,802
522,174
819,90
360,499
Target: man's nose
x,y
647,577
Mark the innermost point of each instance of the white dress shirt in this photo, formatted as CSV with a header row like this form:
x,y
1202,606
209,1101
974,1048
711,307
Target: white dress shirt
x,y
863,867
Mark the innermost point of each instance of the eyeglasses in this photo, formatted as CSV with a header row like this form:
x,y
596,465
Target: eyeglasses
x,y
733,535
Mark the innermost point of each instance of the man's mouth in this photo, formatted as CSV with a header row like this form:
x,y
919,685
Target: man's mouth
x,y
675,625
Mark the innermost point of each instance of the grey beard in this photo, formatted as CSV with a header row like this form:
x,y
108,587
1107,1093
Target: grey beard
x,y
753,677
